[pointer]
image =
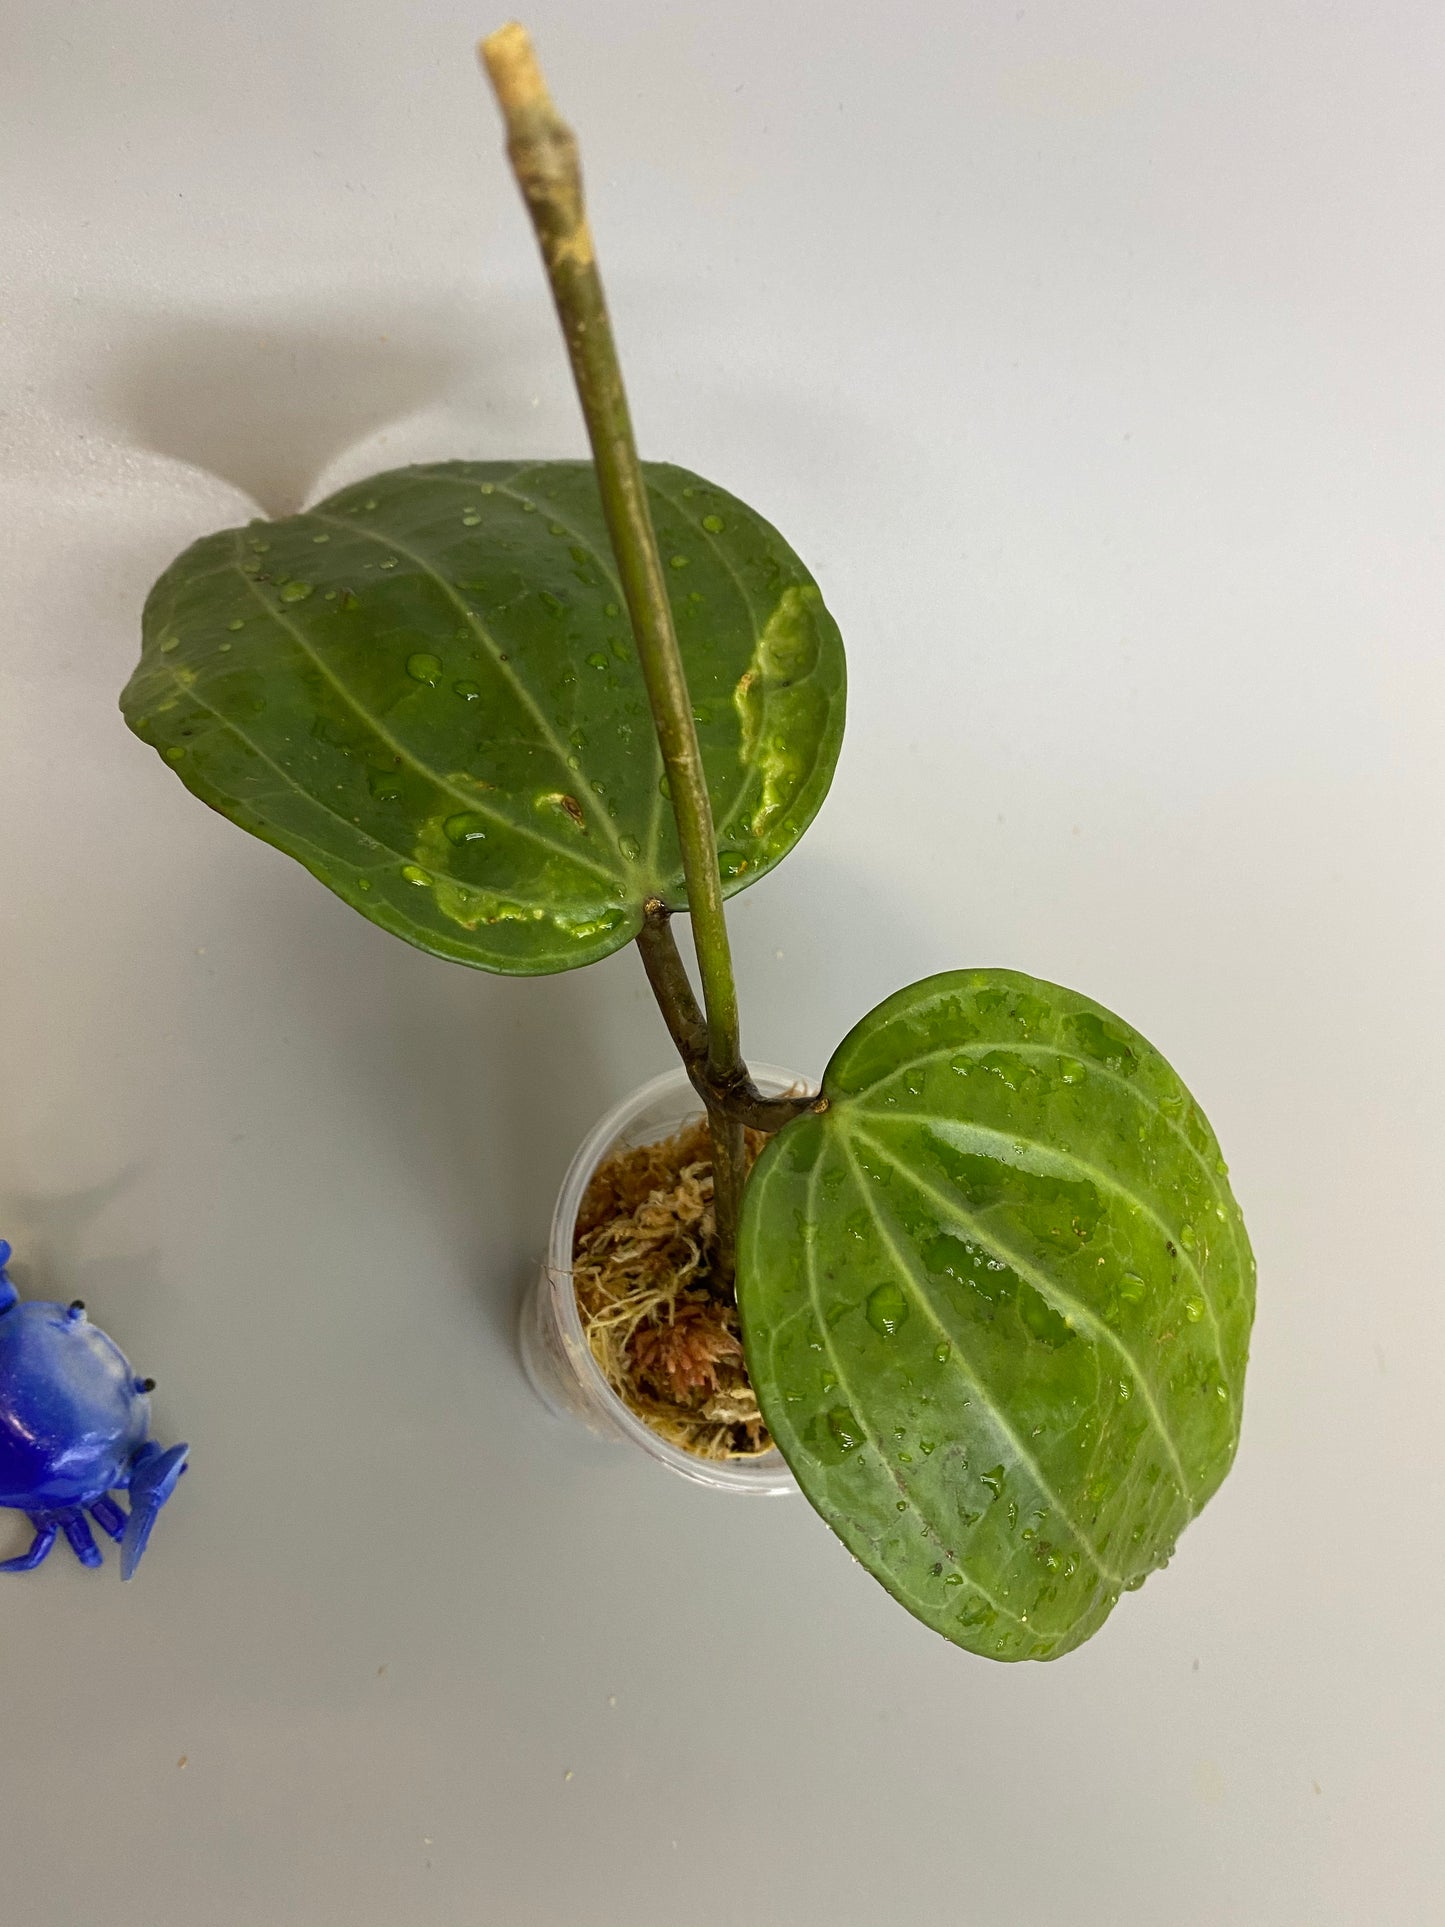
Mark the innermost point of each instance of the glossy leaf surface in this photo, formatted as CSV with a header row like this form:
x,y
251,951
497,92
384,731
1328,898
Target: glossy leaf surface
x,y
425,690
997,1302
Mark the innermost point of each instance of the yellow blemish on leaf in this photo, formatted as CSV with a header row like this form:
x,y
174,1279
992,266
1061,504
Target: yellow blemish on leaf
x,y
586,927
786,651
462,903
568,805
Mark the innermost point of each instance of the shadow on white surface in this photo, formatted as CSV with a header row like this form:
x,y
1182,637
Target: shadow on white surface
x,y
463,1095
48,1230
269,401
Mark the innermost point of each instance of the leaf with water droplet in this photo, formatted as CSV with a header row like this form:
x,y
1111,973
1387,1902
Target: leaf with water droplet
x,y
445,627
887,1308
1026,1265
467,826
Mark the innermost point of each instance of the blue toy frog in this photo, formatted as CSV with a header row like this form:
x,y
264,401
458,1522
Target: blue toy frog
x,y
74,1425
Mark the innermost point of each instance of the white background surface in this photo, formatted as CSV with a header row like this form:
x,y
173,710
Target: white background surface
x,y
1091,357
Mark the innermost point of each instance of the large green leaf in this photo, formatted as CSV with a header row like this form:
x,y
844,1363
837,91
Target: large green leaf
x,y
997,1301
425,690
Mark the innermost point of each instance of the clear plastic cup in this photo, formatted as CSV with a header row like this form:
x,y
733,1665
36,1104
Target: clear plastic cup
x,y
564,1374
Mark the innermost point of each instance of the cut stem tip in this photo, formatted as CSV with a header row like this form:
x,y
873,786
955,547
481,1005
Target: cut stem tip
x,y
513,69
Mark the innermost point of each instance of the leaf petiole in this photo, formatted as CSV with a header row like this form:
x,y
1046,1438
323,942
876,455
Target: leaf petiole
x,y
739,1096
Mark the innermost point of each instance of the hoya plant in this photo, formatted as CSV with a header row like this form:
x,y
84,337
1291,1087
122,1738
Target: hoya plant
x,y
994,1290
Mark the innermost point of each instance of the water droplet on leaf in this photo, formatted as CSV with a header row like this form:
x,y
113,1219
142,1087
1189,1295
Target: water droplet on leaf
x,y
887,1308
845,1428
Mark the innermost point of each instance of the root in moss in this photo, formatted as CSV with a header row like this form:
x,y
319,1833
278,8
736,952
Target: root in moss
x,y
662,1327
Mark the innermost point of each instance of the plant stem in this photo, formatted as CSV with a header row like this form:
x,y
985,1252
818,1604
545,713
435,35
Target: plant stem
x,y
543,153
666,972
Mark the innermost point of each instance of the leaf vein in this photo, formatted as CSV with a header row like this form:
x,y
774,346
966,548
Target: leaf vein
x,y
1059,1296
929,1528
1057,1050
1096,1174
467,798
1000,1424
483,635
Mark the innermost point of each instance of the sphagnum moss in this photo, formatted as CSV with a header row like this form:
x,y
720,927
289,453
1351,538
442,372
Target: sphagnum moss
x,y
659,1319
